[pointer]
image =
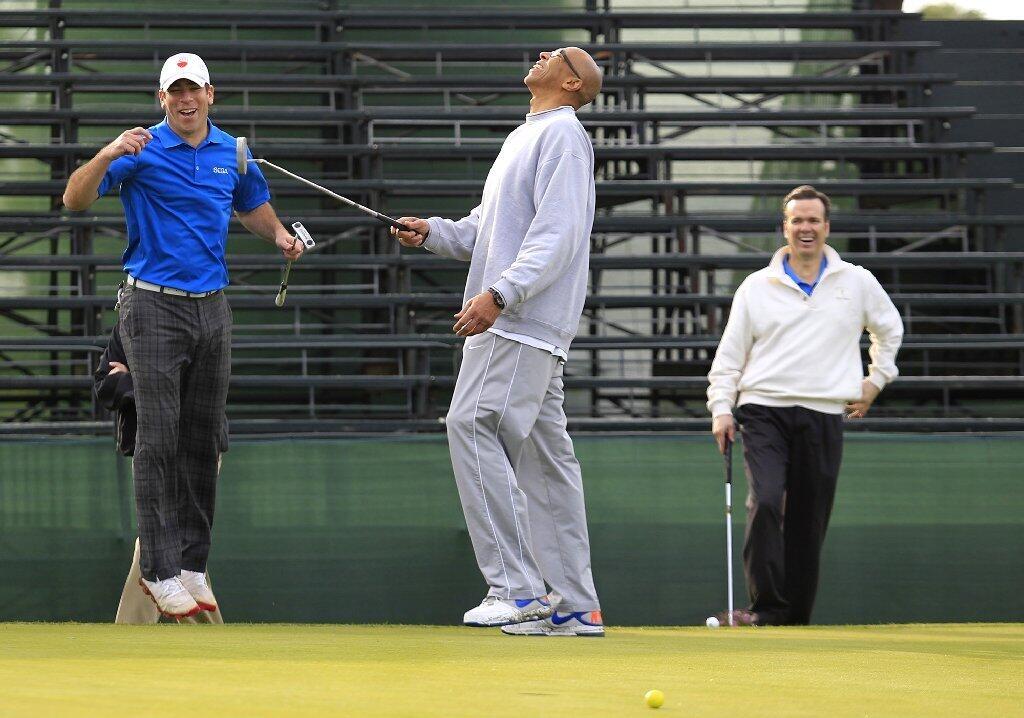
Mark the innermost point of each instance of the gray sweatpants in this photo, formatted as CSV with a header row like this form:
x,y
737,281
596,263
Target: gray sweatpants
x,y
517,474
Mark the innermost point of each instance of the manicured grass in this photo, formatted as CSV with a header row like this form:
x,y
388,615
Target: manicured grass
x,y
306,670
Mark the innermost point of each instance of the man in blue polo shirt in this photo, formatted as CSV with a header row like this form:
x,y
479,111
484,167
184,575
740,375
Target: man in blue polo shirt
x,y
179,184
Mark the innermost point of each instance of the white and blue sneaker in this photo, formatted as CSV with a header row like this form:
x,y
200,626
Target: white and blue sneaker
x,y
494,611
580,623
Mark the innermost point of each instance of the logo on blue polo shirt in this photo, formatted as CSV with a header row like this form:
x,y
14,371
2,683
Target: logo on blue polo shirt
x,y
220,170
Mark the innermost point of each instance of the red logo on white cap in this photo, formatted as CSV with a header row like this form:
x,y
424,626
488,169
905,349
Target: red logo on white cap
x,y
182,63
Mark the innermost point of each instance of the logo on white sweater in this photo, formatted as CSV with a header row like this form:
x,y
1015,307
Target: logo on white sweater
x,y
841,294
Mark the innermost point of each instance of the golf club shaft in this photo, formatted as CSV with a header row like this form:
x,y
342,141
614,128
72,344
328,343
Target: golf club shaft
x,y
373,213
728,524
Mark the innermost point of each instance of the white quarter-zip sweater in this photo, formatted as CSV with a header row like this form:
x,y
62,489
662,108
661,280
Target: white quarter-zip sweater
x,y
784,348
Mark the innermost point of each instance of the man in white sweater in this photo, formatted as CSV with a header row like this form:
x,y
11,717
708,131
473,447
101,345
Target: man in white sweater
x,y
528,245
789,366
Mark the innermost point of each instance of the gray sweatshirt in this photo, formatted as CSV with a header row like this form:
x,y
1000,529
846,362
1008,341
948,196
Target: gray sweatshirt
x,y
530,236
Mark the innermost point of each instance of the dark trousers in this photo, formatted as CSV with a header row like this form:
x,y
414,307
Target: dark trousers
x,y
792,458
179,354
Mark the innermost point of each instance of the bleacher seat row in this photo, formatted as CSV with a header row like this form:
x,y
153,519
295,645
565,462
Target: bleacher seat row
x,y
697,136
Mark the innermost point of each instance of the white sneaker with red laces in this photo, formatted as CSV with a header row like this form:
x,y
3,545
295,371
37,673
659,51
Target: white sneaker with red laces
x,y
195,583
170,597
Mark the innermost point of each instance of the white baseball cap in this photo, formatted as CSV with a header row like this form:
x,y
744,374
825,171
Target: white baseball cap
x,y
184,65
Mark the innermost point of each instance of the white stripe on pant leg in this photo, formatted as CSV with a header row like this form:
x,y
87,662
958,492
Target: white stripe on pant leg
x,y
558,538
508,478
479,474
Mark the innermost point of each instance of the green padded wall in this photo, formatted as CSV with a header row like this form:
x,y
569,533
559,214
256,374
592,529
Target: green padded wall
x,y
370,530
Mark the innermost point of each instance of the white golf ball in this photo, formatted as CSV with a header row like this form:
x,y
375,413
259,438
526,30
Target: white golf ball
x,y
712,622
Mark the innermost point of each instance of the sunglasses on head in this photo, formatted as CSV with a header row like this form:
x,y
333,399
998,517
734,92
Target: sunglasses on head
x,y
560,52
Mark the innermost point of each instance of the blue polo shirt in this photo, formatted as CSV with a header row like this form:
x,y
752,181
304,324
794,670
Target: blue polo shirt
x,y
177,202
807,288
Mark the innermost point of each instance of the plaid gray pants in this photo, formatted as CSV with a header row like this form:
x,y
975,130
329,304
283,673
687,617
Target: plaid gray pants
x,y
179,355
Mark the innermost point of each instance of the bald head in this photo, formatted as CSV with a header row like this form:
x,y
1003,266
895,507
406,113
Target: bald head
x,y
589,72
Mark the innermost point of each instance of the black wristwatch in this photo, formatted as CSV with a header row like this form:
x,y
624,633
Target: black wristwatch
x,y
498,299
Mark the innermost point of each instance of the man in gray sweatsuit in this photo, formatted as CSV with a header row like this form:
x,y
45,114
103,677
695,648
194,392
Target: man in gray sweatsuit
x,y
528,245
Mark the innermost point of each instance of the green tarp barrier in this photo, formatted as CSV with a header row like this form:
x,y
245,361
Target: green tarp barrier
x,y
925,528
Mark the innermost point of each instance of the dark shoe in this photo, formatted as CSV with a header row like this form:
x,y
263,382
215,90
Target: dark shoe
x,y
740,617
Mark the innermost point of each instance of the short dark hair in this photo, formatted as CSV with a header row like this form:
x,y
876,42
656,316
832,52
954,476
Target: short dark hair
x,y
806,191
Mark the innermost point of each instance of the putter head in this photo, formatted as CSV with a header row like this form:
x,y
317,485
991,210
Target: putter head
x,y
279,300
241,155
302,234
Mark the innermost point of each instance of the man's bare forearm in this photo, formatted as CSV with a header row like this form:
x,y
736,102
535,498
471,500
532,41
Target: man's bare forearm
x,y
263,222
83,185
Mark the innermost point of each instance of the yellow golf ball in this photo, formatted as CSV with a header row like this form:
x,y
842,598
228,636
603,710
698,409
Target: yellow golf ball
x,y
654,699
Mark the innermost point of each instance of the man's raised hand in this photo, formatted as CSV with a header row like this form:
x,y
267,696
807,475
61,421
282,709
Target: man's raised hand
x,y
129,142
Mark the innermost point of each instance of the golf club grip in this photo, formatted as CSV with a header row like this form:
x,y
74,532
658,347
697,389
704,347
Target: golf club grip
x,y
728,461
279,300
393,222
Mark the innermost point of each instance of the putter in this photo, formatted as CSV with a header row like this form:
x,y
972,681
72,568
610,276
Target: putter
x,y
728,524
243,159
302,234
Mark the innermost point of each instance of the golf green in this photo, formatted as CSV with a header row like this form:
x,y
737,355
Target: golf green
x,y
347,670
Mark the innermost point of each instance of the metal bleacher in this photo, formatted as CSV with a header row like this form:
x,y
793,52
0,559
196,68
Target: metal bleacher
x,y
706,119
